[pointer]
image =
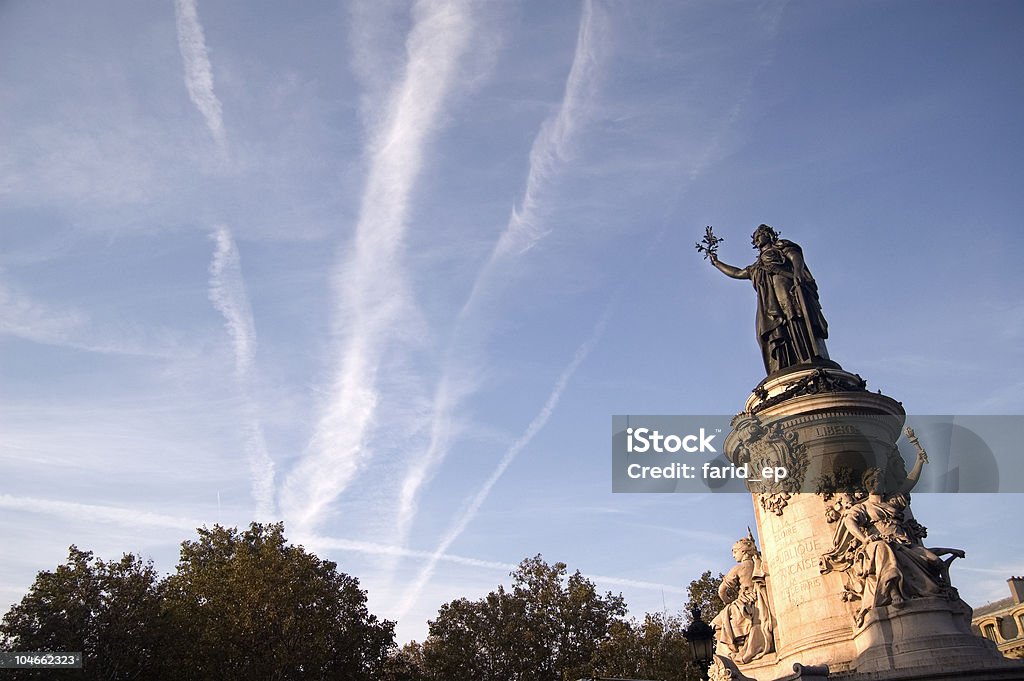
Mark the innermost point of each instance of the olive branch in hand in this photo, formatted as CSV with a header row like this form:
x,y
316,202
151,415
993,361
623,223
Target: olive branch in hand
x,y
709,244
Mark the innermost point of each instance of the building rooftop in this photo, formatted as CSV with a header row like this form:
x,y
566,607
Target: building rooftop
x,y
994,606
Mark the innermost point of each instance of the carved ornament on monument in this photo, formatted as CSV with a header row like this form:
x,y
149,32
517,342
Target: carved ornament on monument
x,y
818,382
757,445
719,670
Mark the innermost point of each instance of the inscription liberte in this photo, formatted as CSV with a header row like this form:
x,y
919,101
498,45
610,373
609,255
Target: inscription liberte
x,y
827,431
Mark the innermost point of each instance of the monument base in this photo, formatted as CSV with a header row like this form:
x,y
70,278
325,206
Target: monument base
x,y
1006,672
923,632
834,436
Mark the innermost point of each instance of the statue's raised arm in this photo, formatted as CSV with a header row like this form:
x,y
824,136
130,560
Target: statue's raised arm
x,y
922,458
729,270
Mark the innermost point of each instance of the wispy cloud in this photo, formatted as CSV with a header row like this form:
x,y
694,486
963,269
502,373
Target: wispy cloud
x,y
228,295
23,316
30,319
198,71
137,518
319,543
637,584
128,517
1006,569
450,392
373,298
535,426
772,17
551,149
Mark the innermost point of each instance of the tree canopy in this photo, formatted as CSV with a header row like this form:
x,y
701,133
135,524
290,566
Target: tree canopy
x,y
240,605
108,611
553,626
653,648
703,594
547,627
249,605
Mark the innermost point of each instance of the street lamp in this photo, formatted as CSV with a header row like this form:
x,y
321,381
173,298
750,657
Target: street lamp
x,y
701,638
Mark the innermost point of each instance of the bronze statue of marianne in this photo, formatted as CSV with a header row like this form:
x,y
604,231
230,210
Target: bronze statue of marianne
x,y
790,327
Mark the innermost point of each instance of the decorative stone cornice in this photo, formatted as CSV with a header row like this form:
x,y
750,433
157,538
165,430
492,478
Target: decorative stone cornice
x,y
817,382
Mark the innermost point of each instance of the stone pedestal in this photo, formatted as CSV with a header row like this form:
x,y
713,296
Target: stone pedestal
x,y
826,427
920,633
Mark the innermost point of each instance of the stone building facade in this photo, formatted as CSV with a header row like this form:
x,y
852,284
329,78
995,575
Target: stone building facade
x,y
1002,621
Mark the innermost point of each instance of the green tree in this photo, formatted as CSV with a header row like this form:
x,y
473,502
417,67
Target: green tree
x,y
656,648
652,649
241,605
703,593
109,611
548,627
405,664
248,605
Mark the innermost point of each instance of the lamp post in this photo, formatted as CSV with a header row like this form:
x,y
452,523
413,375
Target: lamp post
x,y
701,638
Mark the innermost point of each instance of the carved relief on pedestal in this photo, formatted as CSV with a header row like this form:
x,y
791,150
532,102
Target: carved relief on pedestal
x,y
816,383
878,549
745,627
719,670
759,446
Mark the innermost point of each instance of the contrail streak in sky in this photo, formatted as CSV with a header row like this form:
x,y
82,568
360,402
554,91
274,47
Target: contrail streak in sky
x,y
198,72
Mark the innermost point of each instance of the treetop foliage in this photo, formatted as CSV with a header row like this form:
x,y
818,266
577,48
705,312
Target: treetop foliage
x,y
703,594
249,605
240,605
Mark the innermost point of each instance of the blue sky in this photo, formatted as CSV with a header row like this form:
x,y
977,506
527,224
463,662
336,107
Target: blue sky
x,y
385,269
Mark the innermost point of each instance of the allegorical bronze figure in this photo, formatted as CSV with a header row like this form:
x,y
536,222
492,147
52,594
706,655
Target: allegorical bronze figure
x,y
790,326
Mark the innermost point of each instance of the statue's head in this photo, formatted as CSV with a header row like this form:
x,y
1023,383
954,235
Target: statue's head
x,y
872,479
743,549
763,233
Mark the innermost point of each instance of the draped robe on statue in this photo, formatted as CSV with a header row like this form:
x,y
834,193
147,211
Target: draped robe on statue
x,y
746,623
790,325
